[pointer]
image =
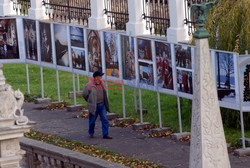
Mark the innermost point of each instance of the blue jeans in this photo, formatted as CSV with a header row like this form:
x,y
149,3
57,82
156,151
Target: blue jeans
x,y
100,110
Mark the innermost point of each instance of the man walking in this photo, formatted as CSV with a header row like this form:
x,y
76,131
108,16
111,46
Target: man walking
x,y
96,96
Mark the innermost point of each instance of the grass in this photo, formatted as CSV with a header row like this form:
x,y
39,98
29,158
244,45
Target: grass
x,y
16,76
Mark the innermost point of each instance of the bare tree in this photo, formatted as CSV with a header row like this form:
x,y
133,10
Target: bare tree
x,y
227,64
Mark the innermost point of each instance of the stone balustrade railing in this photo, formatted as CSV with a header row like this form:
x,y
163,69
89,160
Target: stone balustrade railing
x,y
43,155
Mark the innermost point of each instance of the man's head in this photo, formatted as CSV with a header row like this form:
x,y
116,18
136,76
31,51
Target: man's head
x,y
98,76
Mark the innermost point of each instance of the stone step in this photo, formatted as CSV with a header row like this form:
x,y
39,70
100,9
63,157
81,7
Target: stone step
x,y
111,116
141,126
178,136
43,101
160,130
74,108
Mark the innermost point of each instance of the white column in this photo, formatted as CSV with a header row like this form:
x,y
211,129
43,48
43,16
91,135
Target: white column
x,y
98,19
177,31
6,8
37,10
208,147
136,25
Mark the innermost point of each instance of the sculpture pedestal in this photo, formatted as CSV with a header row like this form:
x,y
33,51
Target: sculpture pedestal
x,y
208,145
11,153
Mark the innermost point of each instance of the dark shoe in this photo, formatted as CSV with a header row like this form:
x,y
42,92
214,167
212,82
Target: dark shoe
x,y
107,137
91,136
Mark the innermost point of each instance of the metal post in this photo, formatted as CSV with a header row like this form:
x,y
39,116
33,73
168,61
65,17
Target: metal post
x,y
242,129
179,113
42,86
58,85
135,100
78,82
28,78
74,87
141,114
159,109
123,101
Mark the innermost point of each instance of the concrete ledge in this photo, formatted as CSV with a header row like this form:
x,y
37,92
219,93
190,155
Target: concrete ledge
x,y
66,157
57,103
160,130
242,152
178,136
121,120
71,94
43,101
111,116
141,126
74,108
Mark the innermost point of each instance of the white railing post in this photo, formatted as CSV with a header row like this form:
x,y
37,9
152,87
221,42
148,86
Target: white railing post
x,y
6,8
136,25
37,10
98,19
177,31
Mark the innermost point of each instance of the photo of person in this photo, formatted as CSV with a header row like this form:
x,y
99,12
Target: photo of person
x,y
185,81
128,57
30,39
94,51
111,54
78,59
8,39
146,73
45,42
144,49
164,65
183,56
225,76
76,37
61,43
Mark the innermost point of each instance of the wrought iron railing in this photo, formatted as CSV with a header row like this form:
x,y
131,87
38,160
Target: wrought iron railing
x,y
190,21
77,11
21,6
156,14
117,13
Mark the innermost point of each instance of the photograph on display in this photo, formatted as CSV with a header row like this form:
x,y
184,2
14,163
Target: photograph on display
x,y
185,81
128,57
61,43
144,49
225,76
94,51
146,73
8,39
77,37
78,59
164,65
245,72
45,42
111,54
29,27
183,56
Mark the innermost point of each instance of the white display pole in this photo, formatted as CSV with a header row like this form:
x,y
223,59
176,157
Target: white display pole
x,y
159,109
42,82
123,102
74,87
179,112
78,82
58,85
27,78
141,113
135,100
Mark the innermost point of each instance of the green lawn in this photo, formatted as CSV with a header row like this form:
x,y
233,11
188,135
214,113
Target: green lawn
x,y
16,76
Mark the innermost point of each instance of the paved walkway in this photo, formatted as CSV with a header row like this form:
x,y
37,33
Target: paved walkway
x,y
162,151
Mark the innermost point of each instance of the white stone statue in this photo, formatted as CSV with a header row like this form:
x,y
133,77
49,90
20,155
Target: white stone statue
x,y
11,102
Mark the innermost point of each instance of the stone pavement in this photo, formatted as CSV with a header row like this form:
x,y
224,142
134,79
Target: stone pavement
x,y
162,151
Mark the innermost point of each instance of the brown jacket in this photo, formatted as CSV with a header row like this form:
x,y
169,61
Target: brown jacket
x,y
90,95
